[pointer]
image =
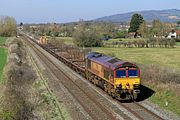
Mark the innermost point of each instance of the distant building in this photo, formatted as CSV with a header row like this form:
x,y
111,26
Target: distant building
x,y
177,33
122,27
131,34
172,34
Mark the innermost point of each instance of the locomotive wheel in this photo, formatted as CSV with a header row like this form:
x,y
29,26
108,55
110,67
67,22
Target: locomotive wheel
x,y
109,93
135,96
132,96
105,89
113,95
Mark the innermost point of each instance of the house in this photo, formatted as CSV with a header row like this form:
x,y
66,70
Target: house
x,y
133,35
172,34
177,33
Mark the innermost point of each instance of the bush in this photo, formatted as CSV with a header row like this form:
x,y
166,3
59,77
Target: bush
x,y
12,71
86,37
177,39
9,41
122,34
13,57
158,74
28,75
13,40
13,48
8,26
19,77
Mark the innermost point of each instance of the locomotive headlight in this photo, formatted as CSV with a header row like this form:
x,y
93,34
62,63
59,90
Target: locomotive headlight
x,y
136,85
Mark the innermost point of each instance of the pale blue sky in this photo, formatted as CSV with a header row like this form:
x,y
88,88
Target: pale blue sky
x,y
43,11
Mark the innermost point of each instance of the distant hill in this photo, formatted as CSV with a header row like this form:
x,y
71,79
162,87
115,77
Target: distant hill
x,y
170,15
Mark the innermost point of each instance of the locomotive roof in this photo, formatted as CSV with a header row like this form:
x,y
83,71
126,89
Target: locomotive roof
x,y
107,61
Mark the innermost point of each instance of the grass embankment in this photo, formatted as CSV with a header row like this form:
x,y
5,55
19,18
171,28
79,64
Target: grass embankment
x,y
3,56
2,40
166,97
24,95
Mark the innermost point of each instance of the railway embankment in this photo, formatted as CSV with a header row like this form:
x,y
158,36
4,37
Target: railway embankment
x,y
165,85
23,94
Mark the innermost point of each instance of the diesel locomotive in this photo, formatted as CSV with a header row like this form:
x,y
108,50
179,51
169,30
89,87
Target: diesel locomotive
x,y
118,78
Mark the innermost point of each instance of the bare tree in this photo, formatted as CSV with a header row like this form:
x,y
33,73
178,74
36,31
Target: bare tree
x,y
8,26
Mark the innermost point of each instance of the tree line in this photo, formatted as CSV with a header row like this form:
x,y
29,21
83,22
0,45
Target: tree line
x,y
92,34
7,26
143,43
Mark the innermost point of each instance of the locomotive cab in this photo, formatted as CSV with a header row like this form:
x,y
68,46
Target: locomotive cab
x,y
127,80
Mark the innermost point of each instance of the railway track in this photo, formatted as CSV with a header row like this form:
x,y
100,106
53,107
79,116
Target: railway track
x,y
90,105
140,111
88,102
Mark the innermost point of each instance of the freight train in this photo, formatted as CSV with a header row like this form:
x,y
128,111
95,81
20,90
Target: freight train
x,y
119,78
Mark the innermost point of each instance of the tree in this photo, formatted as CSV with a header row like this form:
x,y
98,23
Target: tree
x,y
7,26
143,30
121,34
156,27
105,29
21,23
136,21
159,28
86,37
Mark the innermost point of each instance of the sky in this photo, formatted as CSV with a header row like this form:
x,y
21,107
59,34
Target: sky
x,y
63,11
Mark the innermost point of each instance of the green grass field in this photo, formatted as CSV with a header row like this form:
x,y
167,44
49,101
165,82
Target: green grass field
x,y
2,40
178,43
162,56
164,96
66,40
3,58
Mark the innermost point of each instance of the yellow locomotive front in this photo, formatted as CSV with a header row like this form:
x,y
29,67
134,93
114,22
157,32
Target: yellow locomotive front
x,y
127,81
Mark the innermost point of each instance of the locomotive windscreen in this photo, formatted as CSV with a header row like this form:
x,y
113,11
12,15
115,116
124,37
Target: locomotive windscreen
x,y
120,73
127,70
132,73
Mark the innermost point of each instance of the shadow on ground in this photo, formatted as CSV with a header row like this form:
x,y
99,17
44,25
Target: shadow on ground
x,y
145,93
